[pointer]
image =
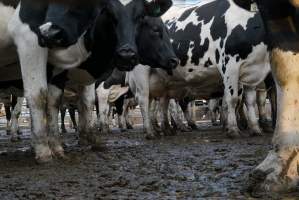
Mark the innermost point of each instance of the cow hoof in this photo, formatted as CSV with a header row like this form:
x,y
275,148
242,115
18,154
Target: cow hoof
x,y
129,126
233,134
15,139
63,131
193,127
169,132
43,154
255,132
150,136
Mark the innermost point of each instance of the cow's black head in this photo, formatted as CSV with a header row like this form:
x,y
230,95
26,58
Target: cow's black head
x,y
124,17
154,45
64,24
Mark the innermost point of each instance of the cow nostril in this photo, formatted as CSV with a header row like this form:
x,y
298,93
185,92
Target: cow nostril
x,y
173,62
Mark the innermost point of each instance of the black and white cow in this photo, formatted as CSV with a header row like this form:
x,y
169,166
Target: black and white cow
x,y
35,24
279,171
219,34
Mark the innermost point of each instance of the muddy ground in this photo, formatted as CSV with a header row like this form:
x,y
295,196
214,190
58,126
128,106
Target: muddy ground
x,y
198,165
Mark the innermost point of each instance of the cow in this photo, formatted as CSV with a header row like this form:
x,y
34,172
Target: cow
x,y
36,35
219,34
279,171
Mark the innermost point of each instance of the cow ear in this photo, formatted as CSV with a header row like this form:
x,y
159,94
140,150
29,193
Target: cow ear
x,y
156,8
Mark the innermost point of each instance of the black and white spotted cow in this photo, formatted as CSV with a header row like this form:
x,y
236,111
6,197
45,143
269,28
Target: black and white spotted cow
x,y
64,37
220,34
279,171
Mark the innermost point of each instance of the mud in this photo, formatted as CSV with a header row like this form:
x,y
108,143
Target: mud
x,y
198,165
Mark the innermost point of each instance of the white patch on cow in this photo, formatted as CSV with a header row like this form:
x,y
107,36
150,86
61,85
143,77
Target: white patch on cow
x,y
70,57
125,2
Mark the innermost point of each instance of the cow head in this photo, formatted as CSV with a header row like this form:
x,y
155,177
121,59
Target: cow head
x,y
64,24
124,18
154,45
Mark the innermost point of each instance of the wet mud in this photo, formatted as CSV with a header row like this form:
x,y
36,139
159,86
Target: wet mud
x,y
197,165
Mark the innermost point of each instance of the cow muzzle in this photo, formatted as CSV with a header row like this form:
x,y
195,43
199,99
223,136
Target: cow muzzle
x,y
126,58
51,36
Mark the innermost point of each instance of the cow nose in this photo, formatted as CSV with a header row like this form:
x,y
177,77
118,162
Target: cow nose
x,y
128,55
173,63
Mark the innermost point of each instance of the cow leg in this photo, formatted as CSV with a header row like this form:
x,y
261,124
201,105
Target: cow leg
x,y
154,110
87,131
62,114
190,121
261,104
279,171
54,101
72,112
250,101
175,117
33,60
212,105
125,114
8,118
165,126
242,118
231,80
17,109
103,106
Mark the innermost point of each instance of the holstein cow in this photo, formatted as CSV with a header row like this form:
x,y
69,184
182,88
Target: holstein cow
x,y
34,25
279,171
220,34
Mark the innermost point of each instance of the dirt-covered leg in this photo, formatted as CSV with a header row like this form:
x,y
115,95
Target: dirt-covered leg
x,y
16,111
250,101
154,113
261,96
54,101
231,85
8,117
165,126
33,60
103,106
279,171
187,115
87,131
175,116
212,105
62,116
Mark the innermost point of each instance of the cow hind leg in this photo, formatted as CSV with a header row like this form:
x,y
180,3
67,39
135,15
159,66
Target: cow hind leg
x,y
17,109
62,115
8,118
154,110
175,117
165,126
72,112
250,101
280,169
261,103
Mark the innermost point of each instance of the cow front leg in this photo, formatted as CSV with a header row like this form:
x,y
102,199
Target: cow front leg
x,y
103,107
87,131
165,126
17,109
250,101
54,101
154,110
33,60
280,170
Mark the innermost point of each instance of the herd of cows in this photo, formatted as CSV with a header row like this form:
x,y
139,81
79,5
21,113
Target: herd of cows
x,y
72,54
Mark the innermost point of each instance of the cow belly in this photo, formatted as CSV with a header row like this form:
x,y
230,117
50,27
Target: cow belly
x,y
80,76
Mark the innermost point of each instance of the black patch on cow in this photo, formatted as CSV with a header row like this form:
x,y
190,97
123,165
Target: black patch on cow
x,y
231,91
186,14
230,87
208,63
240,91
217,56
190,70
241,42
226,60
198,51
12,3
223,69
238,58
